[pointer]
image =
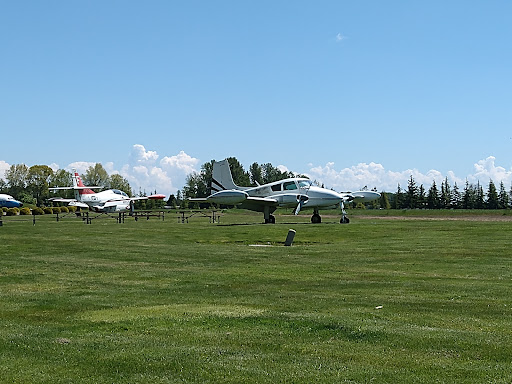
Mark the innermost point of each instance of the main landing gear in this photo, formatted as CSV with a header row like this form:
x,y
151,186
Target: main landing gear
x,y
271,219
316,218
267,214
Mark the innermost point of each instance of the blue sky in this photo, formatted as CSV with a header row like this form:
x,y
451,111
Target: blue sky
x,y
351,93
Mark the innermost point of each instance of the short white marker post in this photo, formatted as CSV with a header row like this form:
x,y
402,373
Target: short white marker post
x,y
289,238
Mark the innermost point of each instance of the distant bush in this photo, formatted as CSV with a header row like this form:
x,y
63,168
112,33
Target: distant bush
x,y
4,209
56,209
27,198
64,210
48,210
25,211
37,211
71,208
12,211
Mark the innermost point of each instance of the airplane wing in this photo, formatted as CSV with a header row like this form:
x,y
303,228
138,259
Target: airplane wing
x,y
61,200
151,197
64,188
235,197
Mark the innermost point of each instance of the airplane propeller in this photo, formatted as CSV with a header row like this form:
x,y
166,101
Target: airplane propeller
x,y
301,199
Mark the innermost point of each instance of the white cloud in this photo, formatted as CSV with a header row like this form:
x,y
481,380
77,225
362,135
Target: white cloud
x,y
375,175
3,167
80,166
486,170
54,166
139,155
166,176
181,162
340,37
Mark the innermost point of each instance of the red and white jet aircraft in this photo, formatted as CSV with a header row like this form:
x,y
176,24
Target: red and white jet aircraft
x,y
108,201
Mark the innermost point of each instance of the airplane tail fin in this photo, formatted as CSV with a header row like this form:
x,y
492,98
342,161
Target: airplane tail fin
x,y
79,186
221,177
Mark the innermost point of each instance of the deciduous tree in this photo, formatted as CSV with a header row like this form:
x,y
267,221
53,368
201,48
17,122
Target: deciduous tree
x,y
96,176
38,180
116,181
16,177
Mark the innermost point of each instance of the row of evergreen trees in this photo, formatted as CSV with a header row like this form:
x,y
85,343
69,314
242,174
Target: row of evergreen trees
x,y
448,197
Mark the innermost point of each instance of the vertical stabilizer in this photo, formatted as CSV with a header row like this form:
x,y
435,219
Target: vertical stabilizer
x,y
221,177
79,186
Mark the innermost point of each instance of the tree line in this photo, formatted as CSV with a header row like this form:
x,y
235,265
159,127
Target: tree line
x,y
472,196
31,185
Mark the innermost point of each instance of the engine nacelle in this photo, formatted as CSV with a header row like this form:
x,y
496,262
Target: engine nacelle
x,y
364,196
290,199
228,197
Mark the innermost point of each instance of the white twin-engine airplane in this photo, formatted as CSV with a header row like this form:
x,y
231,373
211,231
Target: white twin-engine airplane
x,y
295,192
108,201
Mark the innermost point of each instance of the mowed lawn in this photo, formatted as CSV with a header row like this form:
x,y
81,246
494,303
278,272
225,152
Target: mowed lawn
x,y
378,300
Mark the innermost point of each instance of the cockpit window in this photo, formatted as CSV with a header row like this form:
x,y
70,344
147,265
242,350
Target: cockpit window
x,y
276,188
118,192
289,185
304,183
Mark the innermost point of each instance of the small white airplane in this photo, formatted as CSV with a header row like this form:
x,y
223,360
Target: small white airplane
x,y
9,202
294,192
108,201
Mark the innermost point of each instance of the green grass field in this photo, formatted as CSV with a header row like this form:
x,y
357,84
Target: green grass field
x,y
379,300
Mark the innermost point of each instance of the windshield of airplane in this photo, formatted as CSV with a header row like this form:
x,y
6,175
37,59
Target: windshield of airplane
x,y
304,183
117,191
289,185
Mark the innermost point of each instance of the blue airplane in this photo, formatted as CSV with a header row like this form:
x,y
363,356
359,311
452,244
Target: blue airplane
x,y
9,201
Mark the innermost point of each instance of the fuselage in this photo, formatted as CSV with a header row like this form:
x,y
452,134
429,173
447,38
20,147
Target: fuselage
x,y
289,191
9,202
111,200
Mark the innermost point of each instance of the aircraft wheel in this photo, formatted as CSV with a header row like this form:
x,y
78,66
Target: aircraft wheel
x,y
344,220
271,220
316,219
